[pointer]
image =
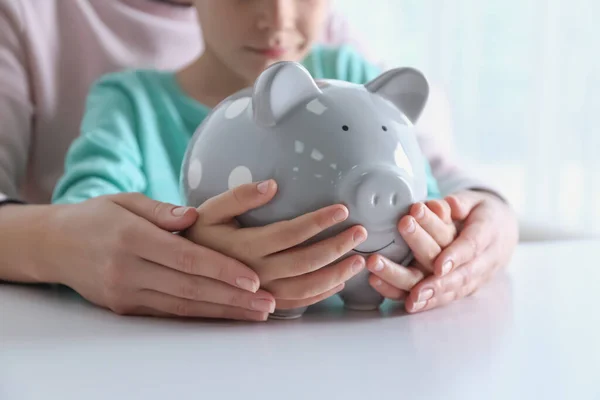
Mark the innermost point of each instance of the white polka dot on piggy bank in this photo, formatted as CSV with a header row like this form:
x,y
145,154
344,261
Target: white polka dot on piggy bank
x,y
324,143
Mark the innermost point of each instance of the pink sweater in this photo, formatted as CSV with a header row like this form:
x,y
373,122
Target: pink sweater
x,y
51,51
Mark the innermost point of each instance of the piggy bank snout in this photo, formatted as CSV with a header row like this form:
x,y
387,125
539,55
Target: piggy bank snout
x,y
380,196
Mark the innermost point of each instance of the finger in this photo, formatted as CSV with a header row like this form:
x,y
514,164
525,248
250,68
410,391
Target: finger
x,y
185,256
150,276
462,203
440,208
306,259
164,215
475,237
225,206
164,304
435,291
438,301
283,235
316,283
386,290
443,233
398,276
289,304
424,248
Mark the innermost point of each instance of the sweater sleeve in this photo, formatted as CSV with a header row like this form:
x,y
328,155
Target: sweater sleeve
x,y
105,158
16,109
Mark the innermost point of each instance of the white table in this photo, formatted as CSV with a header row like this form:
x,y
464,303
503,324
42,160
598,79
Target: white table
x,y
533,333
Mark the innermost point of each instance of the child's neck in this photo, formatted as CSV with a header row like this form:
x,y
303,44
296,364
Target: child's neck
x,y
209,81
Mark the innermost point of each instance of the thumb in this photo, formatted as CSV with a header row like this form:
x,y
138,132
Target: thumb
x,y
164,215
462,204
234,202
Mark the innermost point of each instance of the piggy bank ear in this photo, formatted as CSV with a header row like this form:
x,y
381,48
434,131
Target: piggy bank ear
x,y
278,89
406,88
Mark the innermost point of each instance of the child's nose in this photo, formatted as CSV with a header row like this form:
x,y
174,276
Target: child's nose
x,y
276,15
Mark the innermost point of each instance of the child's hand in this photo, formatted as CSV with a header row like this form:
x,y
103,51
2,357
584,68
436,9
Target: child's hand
x,y
292,273
427,230
485,244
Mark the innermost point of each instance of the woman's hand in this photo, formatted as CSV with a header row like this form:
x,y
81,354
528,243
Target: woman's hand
x,y
427,229
485,243
289,270
118,252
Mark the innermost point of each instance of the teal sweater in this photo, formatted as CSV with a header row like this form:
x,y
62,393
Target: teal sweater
x,y
138,123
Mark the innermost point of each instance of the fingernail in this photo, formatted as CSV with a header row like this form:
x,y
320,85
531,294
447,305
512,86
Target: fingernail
x,y
379,266
340,215
411,226
425,295
263,305
263,187
357,266
419,305
359,237
247,284
179,211
446,267
377,282
421,212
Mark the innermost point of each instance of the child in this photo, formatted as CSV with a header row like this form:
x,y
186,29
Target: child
x,y
138,123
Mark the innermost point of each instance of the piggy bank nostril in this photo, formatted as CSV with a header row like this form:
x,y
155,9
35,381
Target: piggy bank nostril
x,y
374,200
394,199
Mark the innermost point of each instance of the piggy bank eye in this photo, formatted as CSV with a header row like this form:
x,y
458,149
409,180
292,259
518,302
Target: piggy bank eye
x,y
384,128
345,127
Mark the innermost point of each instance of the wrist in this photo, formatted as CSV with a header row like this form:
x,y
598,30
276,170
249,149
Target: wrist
x,y
23,233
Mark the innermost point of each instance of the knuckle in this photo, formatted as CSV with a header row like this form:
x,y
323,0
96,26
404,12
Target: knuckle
x,y
236,300
321,221
120,308
186,261
346,243
302,264
451,233
202,214
416,276
159,209
465,276
340,248
472,289
238,195
221,271
287,234
182,308
188,291
446,211
439,286
463,292
473,244
431,253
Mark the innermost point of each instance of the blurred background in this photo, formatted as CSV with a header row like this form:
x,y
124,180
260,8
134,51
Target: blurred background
x,y
523,81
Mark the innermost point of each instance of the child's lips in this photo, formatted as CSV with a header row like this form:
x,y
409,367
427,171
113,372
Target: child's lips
x,y
270,52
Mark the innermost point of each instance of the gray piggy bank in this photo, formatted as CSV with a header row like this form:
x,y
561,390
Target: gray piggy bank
x,y
324,142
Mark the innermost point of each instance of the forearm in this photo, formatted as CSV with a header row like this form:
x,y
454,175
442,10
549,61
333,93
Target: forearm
x,y
23,232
